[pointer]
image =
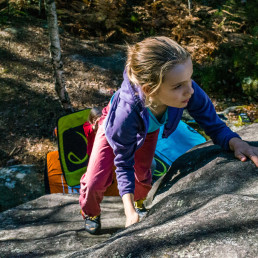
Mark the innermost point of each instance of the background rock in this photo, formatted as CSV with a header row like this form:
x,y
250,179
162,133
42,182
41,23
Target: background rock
x,y
19,184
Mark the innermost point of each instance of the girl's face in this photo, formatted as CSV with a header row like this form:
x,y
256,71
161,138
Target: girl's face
x,y
176,90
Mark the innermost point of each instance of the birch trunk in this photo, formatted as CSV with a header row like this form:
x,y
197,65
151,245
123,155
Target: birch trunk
x,y
189,6
55,51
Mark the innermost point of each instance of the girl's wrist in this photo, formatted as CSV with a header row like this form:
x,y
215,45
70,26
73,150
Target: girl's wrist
x,y
233,142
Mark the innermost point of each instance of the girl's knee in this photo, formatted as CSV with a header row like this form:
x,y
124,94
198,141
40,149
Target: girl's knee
x,y
93,186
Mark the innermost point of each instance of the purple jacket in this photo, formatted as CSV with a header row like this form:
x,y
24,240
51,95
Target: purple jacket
x,y
127,123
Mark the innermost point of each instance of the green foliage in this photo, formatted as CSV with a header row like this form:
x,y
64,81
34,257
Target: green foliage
x,y
14,9
228,72
250,86
3,18
232,68
134,18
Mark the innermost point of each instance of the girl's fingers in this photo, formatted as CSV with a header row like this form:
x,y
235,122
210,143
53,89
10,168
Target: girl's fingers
x,y
254,158
240,156
251,153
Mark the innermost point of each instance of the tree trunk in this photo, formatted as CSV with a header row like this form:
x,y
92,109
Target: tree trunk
x,y
40,7
55,51
189,6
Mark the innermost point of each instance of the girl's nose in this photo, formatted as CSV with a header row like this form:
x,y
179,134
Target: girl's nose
x,y
189,89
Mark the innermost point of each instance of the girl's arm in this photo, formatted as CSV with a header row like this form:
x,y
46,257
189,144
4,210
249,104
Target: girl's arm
x,y
202,110
121,132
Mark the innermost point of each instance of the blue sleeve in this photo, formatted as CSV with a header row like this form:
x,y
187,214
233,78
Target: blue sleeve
x,y
202,110
121,131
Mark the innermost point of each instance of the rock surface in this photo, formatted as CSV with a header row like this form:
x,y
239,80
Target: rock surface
x,y
52,226
205,206
19,184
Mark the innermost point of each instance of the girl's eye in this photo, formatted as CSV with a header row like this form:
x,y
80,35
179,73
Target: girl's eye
x,y
178,86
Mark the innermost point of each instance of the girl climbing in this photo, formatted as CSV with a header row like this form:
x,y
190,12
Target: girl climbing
x,y
157,87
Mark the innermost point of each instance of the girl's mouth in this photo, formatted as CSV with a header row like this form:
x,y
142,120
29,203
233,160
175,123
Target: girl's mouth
x,y
186,101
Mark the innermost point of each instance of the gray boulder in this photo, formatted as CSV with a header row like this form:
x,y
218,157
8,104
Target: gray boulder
x,y
205,206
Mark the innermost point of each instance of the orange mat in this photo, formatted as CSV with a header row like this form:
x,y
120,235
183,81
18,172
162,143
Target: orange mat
x,y
57,183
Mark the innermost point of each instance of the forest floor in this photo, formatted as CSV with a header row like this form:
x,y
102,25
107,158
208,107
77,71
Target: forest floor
x,y
29,106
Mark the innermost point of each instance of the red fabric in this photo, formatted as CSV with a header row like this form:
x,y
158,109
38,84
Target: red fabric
x,y
90,135
98,176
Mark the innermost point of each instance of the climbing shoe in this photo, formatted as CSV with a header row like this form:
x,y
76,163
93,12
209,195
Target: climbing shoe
x,y
140,208
92,224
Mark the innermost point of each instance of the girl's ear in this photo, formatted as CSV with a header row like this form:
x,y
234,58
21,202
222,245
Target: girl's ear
x,y
146,90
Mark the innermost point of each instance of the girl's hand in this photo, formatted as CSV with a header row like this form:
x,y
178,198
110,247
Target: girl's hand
x,y
132,216
243,150
131,219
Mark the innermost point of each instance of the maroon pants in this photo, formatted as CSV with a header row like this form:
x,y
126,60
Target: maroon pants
x,y
99,173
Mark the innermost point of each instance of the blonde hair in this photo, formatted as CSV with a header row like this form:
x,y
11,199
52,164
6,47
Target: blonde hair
x,y
149,60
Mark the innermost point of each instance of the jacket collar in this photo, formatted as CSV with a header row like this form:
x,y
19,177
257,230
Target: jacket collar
x,y
131,93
